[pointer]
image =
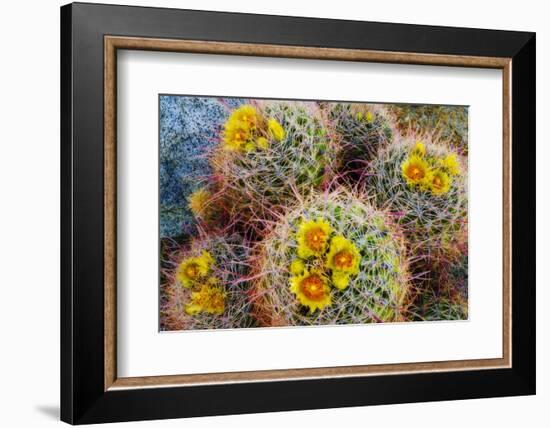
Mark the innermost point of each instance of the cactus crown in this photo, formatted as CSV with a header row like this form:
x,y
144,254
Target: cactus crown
x,y
424,185
287,153
354,272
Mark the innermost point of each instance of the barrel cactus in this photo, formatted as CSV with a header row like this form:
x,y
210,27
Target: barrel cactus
x,y
271,153
205,286
333,259
423,184
364,129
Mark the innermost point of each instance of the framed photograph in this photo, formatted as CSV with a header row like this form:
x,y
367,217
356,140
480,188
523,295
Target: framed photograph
x,y
265,213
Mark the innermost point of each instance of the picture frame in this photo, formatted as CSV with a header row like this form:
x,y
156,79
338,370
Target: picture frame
x,y
91,390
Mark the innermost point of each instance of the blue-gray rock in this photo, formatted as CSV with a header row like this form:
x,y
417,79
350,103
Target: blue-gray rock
x,y
189,128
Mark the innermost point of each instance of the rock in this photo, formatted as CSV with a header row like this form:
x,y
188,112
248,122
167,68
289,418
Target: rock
x,y
189,128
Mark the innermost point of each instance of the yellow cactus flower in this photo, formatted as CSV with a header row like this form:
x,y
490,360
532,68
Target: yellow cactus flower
x,y
193,308
415,170
245,114
312,237
450,164
419,148
208,299
311,290
249,147
239,127
235,136
198,201
369,116
343,258
193,269
340,279
275,129
440,182
359,116
262,143
297,267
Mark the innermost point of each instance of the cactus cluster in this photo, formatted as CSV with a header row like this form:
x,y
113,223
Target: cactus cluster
x,y
206,285
272,153
286,213
334,259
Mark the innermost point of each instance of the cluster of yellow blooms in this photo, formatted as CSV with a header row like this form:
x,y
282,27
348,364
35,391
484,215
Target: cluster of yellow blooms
x,y
367,116
429,173
207,296
336,257
245,130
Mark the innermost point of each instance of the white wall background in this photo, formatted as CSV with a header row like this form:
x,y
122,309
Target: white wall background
x,y
29,218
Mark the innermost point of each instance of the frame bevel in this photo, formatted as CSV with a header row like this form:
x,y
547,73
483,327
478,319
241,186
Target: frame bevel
x,y
90,391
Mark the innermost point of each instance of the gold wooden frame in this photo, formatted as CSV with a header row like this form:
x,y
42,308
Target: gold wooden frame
x,y
113,43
